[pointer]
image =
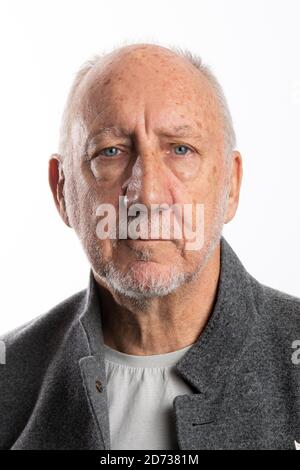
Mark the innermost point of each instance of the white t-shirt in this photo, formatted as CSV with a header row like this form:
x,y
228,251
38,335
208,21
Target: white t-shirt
x,y
141,390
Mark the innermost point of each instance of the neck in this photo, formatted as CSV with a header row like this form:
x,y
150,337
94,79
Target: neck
x,y
161,324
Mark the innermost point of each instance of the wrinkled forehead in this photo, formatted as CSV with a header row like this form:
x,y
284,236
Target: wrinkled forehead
x,y
166,87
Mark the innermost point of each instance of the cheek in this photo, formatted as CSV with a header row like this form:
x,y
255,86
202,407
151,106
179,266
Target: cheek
x,y
213,189
213,184
91,191
206,191
80,201
185,170
85,196
202,189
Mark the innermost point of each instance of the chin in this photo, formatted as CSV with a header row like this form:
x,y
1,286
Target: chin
x,y
145,280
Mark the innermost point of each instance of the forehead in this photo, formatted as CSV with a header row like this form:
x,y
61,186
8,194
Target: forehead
x,y
164,88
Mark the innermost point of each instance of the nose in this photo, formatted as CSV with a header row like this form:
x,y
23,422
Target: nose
x,y
148,183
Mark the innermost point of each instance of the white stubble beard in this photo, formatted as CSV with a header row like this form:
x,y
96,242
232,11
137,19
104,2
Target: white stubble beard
x,y
162,285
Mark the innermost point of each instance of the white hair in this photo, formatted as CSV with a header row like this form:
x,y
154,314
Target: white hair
x,y
194,59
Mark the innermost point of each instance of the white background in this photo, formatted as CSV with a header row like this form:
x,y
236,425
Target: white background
x,y
253,48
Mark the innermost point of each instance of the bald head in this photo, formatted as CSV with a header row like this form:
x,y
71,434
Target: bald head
x,y
146,68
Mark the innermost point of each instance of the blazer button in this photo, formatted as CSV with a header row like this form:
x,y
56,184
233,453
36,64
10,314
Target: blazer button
x,y
99,386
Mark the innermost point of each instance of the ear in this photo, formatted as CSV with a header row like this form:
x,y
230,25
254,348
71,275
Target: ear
x,y
236,175
56,181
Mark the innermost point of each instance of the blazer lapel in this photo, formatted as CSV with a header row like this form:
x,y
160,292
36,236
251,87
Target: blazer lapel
x,y
93,366
94,379
224,401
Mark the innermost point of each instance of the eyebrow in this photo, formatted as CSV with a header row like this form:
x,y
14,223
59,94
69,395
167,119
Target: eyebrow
x,y
184,130
117,131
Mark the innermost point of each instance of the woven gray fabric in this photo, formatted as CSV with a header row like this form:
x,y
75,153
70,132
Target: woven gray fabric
x,y
246,386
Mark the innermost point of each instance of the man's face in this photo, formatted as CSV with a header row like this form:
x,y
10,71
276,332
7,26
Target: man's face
x,y
166,147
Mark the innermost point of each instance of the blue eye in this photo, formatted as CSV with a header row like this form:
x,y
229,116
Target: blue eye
x,y
107,152
182,147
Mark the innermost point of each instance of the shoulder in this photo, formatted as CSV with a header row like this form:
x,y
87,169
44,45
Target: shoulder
x,y
47,326
33,351
279,311
32,346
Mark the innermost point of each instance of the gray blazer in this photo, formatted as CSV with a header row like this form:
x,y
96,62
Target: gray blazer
x,y
246,386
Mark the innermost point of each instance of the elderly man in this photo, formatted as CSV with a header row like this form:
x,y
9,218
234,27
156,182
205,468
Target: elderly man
x,y
173,345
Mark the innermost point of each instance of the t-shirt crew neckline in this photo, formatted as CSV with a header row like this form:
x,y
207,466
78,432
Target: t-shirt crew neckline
x,y
153,360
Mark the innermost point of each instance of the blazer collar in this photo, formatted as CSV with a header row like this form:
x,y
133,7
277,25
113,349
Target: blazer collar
x,y
207,362
92,366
